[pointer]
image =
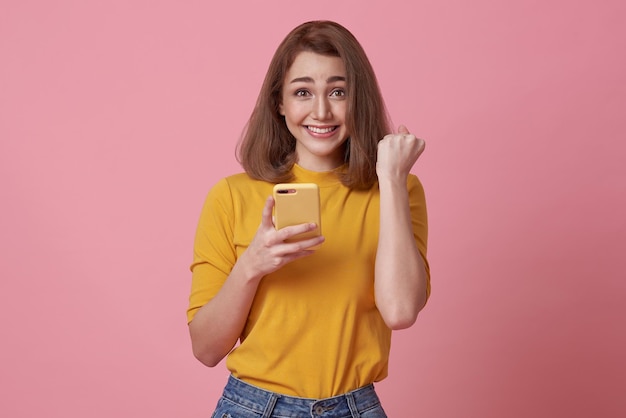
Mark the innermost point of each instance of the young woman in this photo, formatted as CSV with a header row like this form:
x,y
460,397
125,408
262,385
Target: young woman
x,y
313,318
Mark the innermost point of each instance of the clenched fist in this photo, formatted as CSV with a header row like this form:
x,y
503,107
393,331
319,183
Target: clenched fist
x,y
397,153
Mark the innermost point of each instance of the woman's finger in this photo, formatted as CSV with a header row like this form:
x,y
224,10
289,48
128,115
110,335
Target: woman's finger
x,y
266,216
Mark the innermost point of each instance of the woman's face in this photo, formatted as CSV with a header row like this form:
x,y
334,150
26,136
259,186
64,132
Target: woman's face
x,y
314,106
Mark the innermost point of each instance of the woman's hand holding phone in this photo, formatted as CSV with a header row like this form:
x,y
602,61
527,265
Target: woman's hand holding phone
x,y
271,249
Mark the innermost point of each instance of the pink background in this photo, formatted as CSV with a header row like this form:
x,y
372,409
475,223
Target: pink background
x,y
117,116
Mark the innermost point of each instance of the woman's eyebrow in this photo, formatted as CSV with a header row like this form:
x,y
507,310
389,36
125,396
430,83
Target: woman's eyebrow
x,y
310,80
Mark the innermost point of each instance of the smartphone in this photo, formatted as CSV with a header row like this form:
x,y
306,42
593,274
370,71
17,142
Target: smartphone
x,y
297,203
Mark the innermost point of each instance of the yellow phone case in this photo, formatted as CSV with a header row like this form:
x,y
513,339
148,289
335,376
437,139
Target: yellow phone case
x,y
297,203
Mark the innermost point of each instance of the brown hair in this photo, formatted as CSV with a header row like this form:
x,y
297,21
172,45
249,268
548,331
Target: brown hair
x,y
267,148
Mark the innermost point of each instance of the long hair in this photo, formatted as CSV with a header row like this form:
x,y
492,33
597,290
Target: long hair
x,y
266,150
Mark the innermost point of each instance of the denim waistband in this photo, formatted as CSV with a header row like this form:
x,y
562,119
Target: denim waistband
x,y
269,404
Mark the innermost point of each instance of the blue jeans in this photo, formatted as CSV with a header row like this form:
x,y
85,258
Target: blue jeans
x,y
242,400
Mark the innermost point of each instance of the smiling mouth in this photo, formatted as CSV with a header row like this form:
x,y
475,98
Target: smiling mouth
x,y
317,130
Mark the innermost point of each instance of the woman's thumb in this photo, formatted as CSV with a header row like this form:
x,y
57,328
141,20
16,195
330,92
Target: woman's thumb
x,y
402,129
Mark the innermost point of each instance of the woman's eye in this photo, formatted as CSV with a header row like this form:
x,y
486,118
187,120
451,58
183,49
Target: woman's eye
x,y
338,93
301,93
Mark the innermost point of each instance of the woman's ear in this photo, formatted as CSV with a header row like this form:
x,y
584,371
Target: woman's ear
x,y
280,109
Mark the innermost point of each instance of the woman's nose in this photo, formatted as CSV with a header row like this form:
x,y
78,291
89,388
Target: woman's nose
x,y
321,110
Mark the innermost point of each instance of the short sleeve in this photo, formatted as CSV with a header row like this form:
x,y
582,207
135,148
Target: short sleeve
x,y
214,253
419,220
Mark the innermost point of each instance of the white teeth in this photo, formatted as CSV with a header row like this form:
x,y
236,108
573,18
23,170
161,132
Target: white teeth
x,y
321,130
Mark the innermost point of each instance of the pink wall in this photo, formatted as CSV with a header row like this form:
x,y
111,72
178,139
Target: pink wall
x,y
116,117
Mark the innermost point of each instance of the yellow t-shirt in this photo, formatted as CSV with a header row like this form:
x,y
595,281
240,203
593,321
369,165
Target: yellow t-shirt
x,y
313,330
